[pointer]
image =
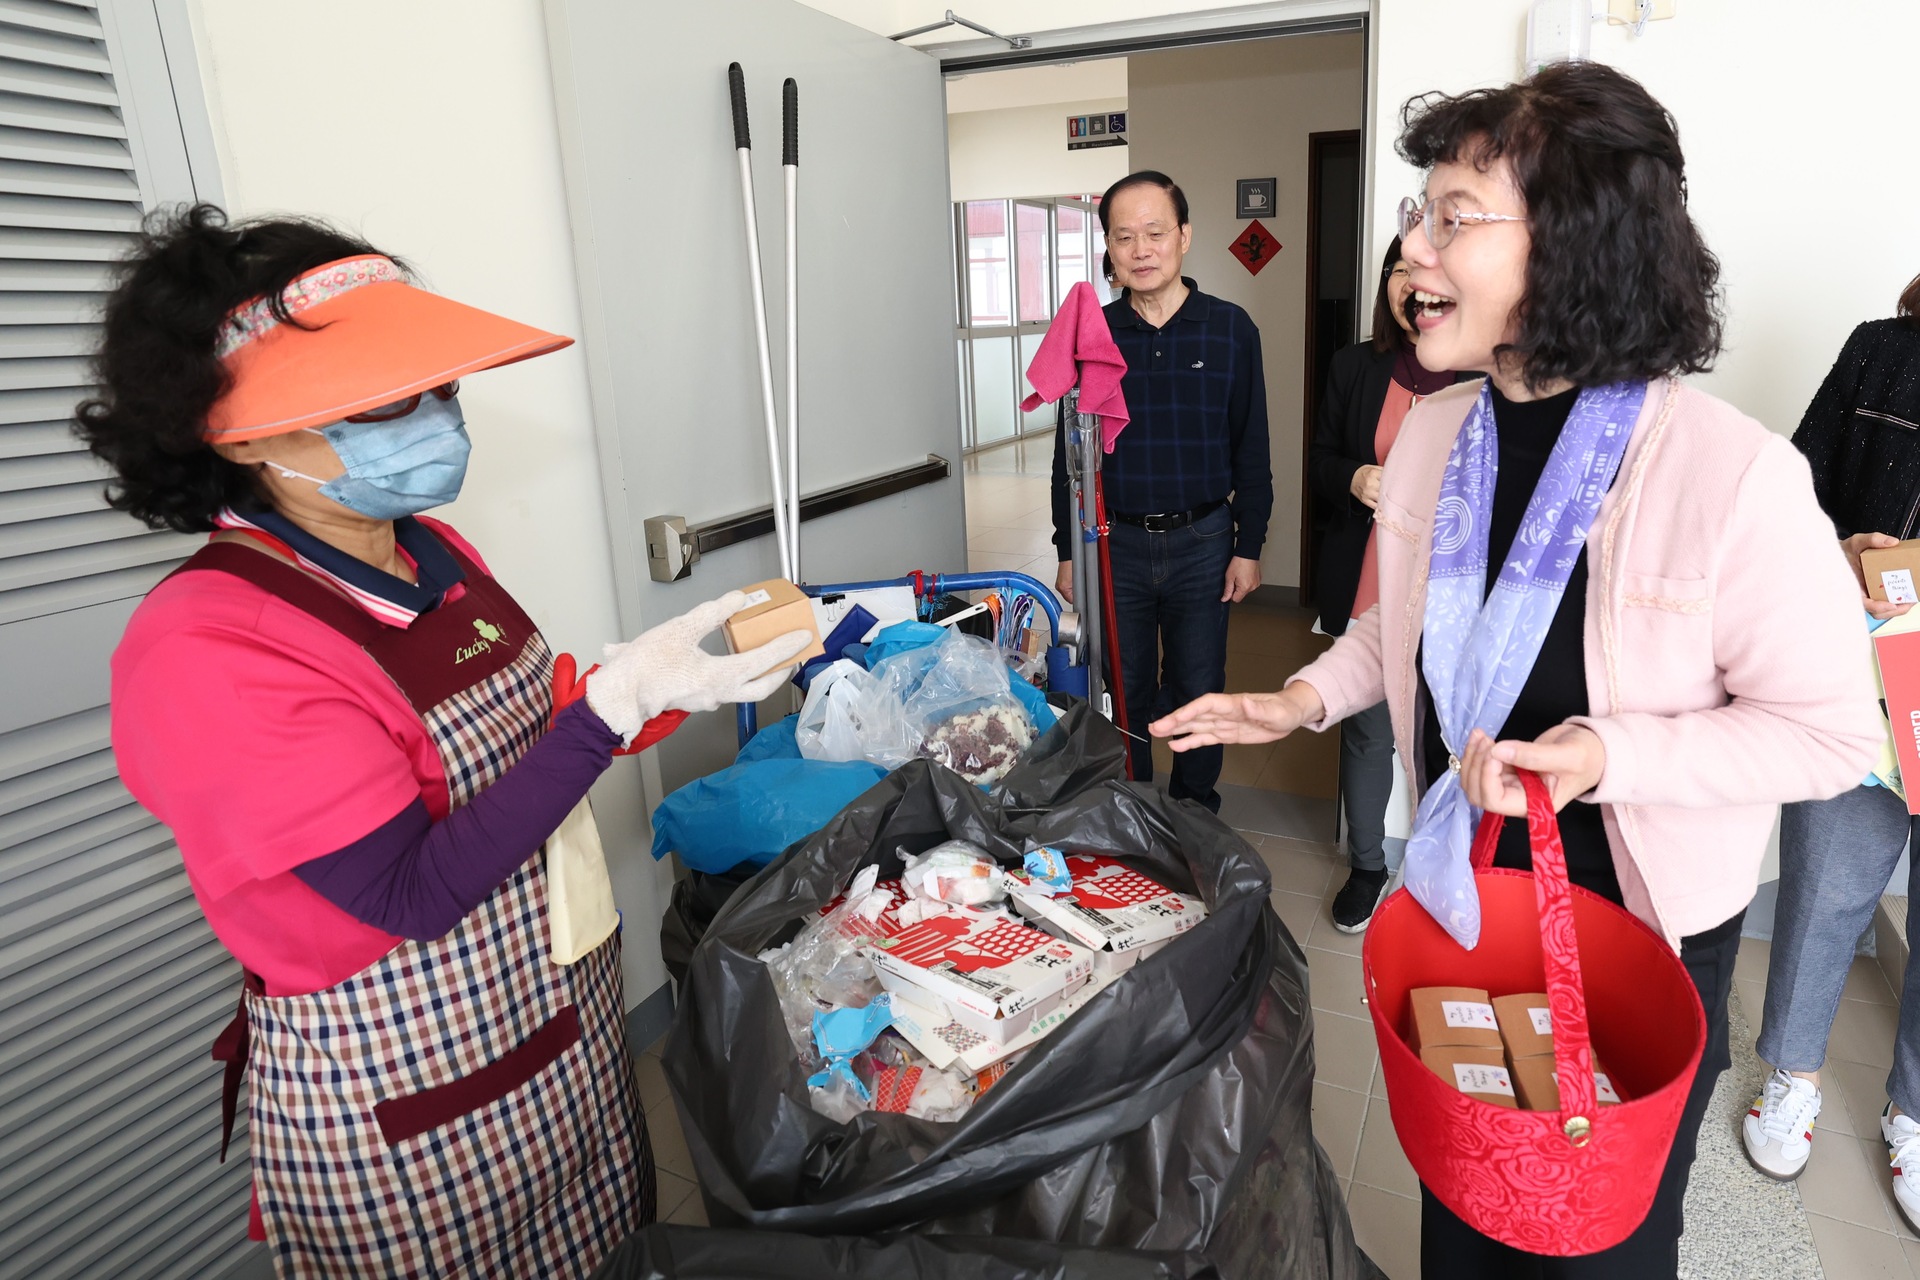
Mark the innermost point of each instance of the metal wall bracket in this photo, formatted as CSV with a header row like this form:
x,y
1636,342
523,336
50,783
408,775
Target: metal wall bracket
x,y
674,546
955,20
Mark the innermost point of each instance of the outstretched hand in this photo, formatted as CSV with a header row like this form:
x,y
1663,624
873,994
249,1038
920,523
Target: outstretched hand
x,y
1569,758
1217,718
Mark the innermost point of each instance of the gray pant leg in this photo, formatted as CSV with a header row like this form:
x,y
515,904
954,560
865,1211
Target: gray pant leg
x,y
1366,784
1835,858
1903,1082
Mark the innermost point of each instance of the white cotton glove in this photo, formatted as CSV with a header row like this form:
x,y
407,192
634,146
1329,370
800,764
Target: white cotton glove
x,y
665,669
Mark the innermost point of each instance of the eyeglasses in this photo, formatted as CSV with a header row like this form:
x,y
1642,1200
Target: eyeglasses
x,y
401,408
1441,218
1126,239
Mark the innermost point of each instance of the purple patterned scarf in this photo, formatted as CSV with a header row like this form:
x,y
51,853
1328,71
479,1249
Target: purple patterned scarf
x,y
1479,651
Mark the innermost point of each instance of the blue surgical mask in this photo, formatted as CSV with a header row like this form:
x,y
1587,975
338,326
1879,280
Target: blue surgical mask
x,y
400,467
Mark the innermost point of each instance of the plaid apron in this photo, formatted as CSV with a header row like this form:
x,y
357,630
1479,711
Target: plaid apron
x,y
463,1107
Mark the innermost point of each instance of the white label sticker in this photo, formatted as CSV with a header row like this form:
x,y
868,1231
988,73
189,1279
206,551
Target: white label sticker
x,y
1468,1013
756,597
1899,585
1471,1077
1602,1087
1542,1021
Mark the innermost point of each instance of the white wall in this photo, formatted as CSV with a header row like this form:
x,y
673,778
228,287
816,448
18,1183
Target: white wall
x,y
1022,151
1207,116
1037,86
1791,177
435,138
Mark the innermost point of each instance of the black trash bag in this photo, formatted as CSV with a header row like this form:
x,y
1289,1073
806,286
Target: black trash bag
x,y
1082,750
698,1253
1172,1113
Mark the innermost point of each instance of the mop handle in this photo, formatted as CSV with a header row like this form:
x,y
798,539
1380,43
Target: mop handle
x,y
737,87
790,166
737,90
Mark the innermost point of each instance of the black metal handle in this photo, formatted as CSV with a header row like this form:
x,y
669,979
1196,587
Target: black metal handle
x,y
790,134
737,87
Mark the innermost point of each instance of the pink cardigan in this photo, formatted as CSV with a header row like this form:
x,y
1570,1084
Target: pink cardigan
x,y
1727,666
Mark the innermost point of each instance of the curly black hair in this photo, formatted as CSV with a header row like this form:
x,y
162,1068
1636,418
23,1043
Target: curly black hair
x,y
1620,284
157,372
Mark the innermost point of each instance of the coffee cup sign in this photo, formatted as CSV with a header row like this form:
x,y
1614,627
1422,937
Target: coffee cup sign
x,y
1255,197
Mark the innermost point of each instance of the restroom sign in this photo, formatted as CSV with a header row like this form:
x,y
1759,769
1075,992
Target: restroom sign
x,y
1106,129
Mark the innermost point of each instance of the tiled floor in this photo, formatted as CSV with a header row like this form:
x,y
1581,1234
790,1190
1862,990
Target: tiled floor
x,y
1010,527
1743,1227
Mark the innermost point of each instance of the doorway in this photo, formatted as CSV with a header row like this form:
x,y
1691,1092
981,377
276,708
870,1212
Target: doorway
x,y
1333,298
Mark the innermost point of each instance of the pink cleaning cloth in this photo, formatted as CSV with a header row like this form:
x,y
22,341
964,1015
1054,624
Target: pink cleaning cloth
x,y
1079,349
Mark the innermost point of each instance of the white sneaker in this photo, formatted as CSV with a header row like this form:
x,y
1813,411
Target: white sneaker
x,y
1903,1150
1778,1129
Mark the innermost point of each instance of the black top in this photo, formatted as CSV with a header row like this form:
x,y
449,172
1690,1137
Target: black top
x,y
1345,424
1196,397
1556,689
1861,434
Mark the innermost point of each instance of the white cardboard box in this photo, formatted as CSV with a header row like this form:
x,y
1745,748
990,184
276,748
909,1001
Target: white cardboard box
x,y
993,972
1116,912
929,1026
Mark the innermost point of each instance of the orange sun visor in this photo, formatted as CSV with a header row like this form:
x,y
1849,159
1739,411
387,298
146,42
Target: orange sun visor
x,y
363,337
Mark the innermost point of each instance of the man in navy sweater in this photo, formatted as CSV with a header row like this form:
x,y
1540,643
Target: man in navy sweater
x,y
1188,485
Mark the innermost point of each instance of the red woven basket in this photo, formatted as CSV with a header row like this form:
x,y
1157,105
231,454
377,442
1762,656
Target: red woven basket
x,y
1560,1183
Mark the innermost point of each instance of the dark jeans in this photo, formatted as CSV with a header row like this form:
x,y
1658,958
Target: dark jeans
x,y
1173,635
1366,785
1451,1249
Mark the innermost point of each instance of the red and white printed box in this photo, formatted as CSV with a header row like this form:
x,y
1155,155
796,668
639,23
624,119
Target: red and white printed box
x,y
1114,911
994,973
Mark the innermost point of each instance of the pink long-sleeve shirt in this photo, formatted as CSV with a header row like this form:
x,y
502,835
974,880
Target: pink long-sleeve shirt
x,y
1727,670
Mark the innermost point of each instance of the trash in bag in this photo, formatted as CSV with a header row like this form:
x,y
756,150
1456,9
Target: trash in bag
x,y
957,693
855,714
1172,1111
730,822
663,1252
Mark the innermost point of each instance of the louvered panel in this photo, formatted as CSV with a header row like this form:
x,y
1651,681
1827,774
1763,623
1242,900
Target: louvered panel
x,y
21,210
70,531
74,901
42,146
30,275
94,558
89,119
68,951
50,15
37,405
32,341
45,48
200,1209
82,801
63,84
33,439
93,1032
107,989
56,500
69,373
64,246
79,593
53,742
124,843
163,1126
210,1245
18,474
26,178
39,310
51,784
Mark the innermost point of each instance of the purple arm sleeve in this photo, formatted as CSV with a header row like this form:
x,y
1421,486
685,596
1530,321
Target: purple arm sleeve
x,y
417,878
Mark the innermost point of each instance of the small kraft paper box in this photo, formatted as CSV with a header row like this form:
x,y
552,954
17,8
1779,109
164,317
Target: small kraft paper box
x,y
1525,1024
774,607
1451,1017
1479,1073
1892,573
994,974
1537,1085
1113,911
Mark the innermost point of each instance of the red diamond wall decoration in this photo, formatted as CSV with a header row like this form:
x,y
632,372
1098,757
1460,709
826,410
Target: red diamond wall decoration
x,y
1255,248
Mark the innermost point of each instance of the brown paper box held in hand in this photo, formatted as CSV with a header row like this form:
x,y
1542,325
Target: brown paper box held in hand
x,y
774,607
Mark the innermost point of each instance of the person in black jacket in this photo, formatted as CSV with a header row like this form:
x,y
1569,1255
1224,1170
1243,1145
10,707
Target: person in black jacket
x,y
1370,387
1861,437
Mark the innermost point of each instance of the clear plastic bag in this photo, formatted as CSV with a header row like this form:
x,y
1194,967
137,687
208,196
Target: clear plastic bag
x,y
957,694
956,873
982,745
822,968
853,714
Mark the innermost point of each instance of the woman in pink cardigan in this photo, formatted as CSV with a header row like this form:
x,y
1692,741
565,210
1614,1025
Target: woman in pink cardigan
x,y
1587,569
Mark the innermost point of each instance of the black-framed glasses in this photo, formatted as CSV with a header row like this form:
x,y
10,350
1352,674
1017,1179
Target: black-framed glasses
x,y
1440,217
401,408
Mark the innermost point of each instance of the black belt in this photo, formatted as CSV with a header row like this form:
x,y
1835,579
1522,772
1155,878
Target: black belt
x,y
1168,521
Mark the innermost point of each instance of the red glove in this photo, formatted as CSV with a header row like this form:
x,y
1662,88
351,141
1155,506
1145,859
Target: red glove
x,y
568,689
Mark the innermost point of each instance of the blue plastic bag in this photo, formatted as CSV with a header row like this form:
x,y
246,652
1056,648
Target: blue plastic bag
x,y
750,811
